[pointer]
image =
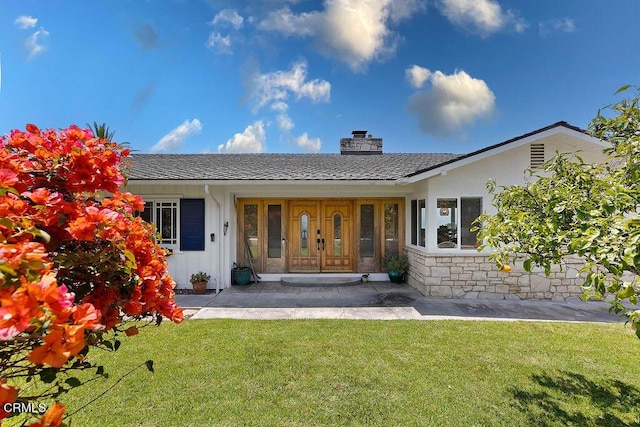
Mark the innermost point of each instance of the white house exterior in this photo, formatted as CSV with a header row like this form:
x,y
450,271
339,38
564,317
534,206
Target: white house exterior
x,y
338,214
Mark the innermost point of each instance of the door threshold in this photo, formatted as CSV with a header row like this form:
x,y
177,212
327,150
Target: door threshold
x,y
320,281
325,277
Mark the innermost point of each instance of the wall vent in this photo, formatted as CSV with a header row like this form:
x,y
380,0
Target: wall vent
x,y
537,155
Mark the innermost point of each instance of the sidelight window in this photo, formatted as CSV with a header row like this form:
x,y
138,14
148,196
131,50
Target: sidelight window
x,y
274,231
367,247
304,235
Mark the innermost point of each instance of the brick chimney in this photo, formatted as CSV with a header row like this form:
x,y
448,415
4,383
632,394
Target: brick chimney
x,y
360,143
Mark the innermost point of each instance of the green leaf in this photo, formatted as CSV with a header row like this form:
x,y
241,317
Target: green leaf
x,y
626,292
527,265
622,89
149,364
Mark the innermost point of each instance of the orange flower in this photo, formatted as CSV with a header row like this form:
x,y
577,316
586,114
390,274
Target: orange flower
x,y
53,416
52,352
15,315
82,229
8,394
87,316
31,128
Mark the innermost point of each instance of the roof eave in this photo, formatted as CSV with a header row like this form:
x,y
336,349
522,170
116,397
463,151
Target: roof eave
x,y
218,182
443,168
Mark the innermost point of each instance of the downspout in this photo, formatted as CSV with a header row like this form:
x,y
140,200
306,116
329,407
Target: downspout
x,y
220,227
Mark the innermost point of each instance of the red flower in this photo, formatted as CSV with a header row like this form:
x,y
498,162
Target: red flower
x,y
7,178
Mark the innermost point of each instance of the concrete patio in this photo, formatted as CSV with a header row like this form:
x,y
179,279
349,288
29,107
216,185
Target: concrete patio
x,y
376,300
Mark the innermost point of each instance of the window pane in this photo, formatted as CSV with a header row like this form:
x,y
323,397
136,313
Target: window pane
x,y
391,228
422,222
164,215
251,228
337,234
414,222
146,214
304,235
471,208
274,231
447,232
366,231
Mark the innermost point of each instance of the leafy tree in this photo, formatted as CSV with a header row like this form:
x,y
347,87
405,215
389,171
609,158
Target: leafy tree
x,y
573,208
76,263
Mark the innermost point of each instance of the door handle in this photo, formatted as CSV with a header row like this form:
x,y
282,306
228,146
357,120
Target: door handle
x,y
323,244
318,242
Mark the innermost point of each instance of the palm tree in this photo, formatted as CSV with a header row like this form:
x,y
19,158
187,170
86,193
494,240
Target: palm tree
x,y
101,131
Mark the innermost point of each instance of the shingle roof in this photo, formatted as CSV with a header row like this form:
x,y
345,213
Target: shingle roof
x,y
281,166
297,167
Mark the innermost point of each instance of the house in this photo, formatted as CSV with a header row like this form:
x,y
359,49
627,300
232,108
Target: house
x,y
339,214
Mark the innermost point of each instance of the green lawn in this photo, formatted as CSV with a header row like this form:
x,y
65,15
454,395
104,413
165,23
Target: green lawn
x,y
387,373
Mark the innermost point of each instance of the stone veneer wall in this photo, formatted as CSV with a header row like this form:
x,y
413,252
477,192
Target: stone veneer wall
x,y
361,145
473,276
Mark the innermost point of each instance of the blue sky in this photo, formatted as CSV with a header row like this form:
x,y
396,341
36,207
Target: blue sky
x,y
189,76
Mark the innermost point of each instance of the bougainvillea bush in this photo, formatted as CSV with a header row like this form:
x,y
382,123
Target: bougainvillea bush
x,y
76,263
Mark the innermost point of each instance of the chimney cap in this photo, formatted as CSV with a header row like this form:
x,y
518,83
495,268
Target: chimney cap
x,y
359,133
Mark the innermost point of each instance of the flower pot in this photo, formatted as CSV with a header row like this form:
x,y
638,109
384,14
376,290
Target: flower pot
x,y
199,288
241,275
396,276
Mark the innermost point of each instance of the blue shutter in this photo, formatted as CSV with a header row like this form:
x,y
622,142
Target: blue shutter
x,y
192,224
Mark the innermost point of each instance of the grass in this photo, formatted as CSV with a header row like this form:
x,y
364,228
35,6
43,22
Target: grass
x,y
354,372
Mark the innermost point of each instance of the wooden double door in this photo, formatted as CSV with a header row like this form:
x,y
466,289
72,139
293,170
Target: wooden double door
x,y
321,236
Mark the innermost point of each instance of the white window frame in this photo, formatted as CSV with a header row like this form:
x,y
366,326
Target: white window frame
x,y
458,247
421,216
173,242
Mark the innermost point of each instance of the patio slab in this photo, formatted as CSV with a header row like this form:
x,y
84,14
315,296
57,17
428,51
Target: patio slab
x,y
377,300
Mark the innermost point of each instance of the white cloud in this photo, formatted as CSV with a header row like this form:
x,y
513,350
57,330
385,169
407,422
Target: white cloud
x,y
284,122
484,17
417,75
250,141
279,106
228,17
219,43
288,23
225,18
172,141
564,25
33,43
311,145
453,101
24,22
353,31
276,87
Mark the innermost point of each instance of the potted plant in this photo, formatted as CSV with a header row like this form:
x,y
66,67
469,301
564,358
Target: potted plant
x,y
396,265
199,281
240,275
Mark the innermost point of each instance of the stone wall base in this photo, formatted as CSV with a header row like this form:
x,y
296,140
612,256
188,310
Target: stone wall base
x,y
473,276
